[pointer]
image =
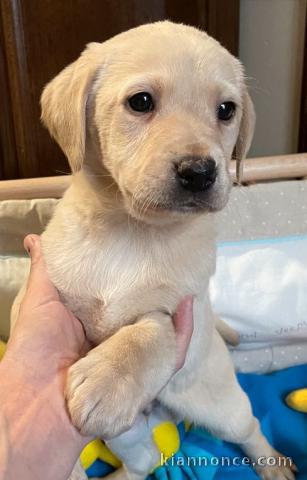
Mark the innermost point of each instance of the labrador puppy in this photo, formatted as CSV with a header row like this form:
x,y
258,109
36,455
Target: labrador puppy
x,y
149,121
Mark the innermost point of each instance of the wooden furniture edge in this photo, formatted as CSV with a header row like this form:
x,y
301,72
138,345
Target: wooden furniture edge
x,y
255,170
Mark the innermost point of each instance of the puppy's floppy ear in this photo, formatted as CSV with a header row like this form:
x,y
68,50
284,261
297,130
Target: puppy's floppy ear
x,y
64,102
246,132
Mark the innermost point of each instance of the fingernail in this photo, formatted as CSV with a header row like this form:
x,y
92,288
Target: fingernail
x,y
28,244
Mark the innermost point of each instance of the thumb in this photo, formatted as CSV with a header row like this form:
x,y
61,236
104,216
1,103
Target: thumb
x,y
183,322
39,285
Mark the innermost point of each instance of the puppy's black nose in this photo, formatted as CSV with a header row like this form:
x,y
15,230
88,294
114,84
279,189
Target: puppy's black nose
x,y
197,174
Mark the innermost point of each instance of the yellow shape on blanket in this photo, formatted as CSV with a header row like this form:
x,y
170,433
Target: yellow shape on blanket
x,y
2,349
298,400
97,449
166,437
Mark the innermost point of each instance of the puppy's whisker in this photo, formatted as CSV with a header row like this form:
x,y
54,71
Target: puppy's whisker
x,y
145,203
98,175
62,172
110,186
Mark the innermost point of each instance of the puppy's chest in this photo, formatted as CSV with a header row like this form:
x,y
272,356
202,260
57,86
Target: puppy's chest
x,y
113,285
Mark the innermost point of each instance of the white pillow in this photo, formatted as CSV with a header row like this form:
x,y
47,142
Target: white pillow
x,y
260,289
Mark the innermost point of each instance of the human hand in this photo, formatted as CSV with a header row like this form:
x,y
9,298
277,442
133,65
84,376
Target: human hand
x,y
37,439
47,339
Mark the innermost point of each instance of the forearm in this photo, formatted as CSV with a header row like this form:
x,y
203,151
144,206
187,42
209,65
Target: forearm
x,y
37,440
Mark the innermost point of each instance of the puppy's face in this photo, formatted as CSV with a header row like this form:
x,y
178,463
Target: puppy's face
x,y
167,107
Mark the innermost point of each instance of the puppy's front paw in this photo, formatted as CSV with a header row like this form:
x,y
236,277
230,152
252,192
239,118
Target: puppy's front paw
x,y
102,400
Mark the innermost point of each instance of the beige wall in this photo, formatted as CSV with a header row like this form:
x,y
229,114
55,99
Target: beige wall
x,y
271,48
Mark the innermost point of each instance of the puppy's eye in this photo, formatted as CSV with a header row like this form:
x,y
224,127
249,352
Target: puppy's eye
x,y
226,111
141,102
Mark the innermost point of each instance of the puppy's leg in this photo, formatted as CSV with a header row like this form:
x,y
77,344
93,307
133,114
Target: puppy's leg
x,y
117,379
217,402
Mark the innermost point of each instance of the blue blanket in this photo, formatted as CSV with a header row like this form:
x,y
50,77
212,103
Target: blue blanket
x,y
285,428
204,457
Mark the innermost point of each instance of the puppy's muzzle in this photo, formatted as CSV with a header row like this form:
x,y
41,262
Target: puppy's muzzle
x,y
196,174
